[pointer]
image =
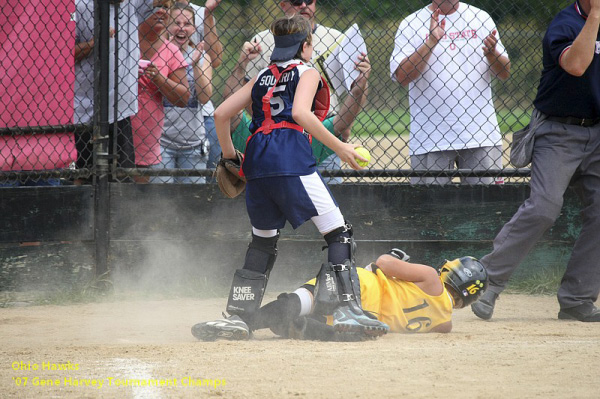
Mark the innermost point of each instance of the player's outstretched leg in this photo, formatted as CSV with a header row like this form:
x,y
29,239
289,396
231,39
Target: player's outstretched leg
x,y
246,294
337,290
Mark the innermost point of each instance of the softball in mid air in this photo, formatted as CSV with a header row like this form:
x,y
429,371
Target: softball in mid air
x,y
363,152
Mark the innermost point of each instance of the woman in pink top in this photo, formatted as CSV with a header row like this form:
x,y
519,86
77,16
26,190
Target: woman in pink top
x,y
165,76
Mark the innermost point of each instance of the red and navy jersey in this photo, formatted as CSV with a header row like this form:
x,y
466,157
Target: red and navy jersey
x,y
282,151
559,93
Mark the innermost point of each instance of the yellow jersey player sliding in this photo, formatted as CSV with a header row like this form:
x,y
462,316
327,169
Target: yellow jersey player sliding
x,y
409,297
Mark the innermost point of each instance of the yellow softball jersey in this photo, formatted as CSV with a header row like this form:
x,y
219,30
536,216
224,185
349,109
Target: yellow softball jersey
x,y
401,304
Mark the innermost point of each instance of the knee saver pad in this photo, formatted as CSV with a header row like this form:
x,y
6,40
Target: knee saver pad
x,y
247,291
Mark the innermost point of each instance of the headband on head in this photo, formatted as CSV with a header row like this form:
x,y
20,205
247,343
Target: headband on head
x,y
287,46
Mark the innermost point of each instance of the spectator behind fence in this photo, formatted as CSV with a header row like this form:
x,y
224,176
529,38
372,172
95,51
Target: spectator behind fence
x,y
340,125
566,150
183,142
447,53
164,77
206,31
127,54
324,39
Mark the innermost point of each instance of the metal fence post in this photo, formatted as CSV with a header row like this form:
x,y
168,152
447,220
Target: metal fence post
x,y
101,134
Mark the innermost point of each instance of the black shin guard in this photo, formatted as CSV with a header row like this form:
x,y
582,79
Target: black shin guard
x,y
337,280
249,283
349,286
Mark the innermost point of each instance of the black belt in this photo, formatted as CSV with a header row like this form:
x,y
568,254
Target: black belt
x,y
569,120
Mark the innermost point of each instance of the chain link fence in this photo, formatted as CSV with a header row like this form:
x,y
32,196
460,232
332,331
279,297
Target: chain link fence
x,y
129,88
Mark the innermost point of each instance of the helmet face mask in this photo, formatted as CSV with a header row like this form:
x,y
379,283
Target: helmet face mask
x,y
465,278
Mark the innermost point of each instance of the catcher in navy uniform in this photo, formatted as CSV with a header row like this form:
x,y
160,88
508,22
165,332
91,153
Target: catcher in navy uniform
x,y
289,99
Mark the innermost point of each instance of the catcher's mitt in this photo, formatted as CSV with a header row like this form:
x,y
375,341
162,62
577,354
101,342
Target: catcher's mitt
x,y
228,176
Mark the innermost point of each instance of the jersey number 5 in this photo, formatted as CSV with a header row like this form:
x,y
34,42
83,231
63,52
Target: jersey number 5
x,y
277,104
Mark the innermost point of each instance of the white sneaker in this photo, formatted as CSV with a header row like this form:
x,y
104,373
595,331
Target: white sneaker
x,y
231,328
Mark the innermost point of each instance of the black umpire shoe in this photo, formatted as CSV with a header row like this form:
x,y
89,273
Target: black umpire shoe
x,y
484,307
586,312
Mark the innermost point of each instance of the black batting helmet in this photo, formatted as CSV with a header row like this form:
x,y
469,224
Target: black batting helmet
x,y
467,277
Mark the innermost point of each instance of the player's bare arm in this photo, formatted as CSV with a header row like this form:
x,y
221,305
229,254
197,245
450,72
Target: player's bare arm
x,y
227,110
425,277
302,114
577,58
499,63
412,67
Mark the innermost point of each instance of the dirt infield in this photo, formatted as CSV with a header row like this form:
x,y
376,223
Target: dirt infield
x,y
524,353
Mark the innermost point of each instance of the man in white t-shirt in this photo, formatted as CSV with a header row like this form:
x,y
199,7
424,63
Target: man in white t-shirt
x,y
447,54
324,41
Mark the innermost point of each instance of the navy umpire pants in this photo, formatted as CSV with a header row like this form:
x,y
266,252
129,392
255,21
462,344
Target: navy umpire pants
x,y
560,153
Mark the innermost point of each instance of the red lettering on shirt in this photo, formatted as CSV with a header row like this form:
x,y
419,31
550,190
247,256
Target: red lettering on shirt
x,y
464,34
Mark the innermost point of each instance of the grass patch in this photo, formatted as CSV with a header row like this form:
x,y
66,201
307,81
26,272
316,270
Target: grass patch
x,y
542,282
97,289
371,123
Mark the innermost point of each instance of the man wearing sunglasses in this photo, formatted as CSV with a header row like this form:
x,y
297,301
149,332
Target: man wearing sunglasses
x,y
324,40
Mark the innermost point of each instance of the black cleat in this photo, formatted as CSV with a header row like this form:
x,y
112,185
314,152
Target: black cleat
x,y
586,313
484,307
231,328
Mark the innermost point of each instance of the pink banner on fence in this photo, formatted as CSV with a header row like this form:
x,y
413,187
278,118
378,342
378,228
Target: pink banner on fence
x,y
37,38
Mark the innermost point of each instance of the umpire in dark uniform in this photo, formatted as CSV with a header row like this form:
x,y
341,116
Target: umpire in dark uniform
x,y
566,148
